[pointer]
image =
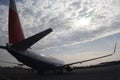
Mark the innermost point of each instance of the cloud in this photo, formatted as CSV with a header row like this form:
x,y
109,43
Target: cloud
x,y
73,22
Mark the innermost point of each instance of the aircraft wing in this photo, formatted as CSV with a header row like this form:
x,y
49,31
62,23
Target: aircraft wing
x,y
93,58
88,60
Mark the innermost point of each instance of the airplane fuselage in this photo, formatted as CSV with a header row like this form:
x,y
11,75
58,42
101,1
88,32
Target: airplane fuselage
x,y
36,61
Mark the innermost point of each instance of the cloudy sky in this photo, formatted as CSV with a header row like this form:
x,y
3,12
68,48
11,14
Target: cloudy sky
x,y
82,29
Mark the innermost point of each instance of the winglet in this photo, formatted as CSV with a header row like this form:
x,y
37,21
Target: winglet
x,y
115,48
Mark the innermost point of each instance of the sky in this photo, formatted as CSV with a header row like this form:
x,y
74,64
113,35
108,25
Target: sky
x,y
82,29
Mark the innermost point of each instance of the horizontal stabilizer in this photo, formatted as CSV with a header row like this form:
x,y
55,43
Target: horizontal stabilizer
x,y
12,63
27,43
3,47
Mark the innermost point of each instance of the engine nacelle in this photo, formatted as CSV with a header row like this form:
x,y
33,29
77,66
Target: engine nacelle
x,y
69,68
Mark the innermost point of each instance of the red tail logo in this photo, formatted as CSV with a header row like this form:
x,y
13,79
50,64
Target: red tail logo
x,y
15,30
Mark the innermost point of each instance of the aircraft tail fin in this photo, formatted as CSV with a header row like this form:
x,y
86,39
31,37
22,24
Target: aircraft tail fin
x,y
15,30
26,43
16,36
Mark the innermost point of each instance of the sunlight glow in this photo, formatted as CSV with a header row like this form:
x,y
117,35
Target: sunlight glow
x,y
82,21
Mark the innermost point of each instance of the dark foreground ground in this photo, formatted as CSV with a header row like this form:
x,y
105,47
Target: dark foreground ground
x,y
97,73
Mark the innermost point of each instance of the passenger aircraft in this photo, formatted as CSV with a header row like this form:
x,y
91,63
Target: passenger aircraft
x,y
19,47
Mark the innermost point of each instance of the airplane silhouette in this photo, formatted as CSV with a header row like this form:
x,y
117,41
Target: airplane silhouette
x,y
19,47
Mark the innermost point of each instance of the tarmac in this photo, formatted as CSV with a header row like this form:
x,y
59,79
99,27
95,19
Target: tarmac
x,y
98,73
